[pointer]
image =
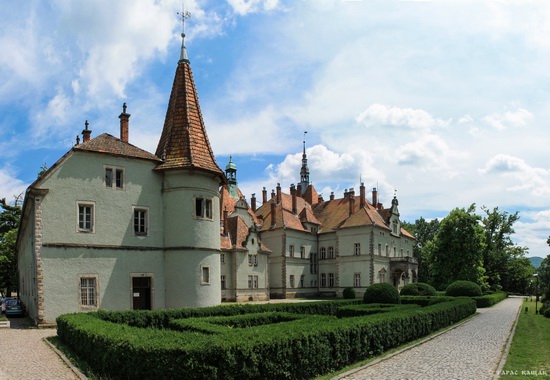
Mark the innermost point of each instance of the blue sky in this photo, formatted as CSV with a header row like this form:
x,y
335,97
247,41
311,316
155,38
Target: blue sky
x,y
446,102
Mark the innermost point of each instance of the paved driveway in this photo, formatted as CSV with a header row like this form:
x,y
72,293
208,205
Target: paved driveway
x,y
24,354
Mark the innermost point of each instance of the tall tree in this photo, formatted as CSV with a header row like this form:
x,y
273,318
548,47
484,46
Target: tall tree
x,y
424,233
9,222
456,252
544,278
499,247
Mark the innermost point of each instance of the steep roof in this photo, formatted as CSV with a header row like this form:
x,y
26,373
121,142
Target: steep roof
x,y
184,143
106,143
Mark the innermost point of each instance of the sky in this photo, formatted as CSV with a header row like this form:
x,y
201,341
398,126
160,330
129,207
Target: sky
x,y
443,103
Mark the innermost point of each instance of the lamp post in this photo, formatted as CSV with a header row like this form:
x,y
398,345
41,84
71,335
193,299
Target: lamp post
x,y
536,275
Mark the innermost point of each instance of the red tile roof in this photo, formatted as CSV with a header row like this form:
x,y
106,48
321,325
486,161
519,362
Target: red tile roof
x,y
184,143
105,143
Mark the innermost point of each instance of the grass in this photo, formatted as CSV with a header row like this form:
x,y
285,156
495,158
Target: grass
x,y
530,350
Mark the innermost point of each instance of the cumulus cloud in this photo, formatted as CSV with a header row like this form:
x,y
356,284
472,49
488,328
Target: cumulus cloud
x,y
520,175
380,114
243,7
10,186
509,119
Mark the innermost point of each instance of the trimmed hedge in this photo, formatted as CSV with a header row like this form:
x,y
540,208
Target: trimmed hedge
x,y
490,299
348,294
418,289
370,309
462,288
162,318
425,300
381,293
297,349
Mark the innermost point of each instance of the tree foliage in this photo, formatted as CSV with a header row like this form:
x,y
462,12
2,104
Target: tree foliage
x,y
9,222
456,252
424,233
544,277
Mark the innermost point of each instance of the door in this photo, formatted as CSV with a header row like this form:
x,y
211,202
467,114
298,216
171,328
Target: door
x,y
141,293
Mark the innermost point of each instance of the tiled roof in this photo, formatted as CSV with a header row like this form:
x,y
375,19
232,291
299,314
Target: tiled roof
x,y
238,235
184,143
105,143
228,203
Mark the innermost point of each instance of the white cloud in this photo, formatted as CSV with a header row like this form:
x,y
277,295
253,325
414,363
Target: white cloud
x,y
509,119
10,186
244,7
380,114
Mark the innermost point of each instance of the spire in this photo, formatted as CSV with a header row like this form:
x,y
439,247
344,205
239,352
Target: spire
x,y
231,175
184,143
183,15
304,171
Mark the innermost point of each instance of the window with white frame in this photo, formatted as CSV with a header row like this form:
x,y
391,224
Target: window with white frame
x,y
323,253
250,260
85,216
331,280
203,208
222,281
205,275
250,281
141,221
291,250
114,177
357,249
88,291
357,280
331,252
302,252
323,280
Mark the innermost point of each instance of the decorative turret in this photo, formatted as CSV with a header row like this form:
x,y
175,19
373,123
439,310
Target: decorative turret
x,y
304,171
231,175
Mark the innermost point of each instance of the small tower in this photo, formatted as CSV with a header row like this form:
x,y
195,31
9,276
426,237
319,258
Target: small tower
x,y
231,175
304,171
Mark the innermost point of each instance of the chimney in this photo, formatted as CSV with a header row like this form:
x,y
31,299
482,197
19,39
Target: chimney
x,y
225,222
273,214
299,190
279,193
253,202
362,199
86,133
264,196
351,202
380,206
294,199
346,193
273,195
124,117
321,198
374,197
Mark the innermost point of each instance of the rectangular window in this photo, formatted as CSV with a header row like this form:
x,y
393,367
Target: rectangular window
x,y
114,177
382,276
291,250
357,249
88,291
331,280
222,258
323,280
313,263
357,280
250,260
292,281
255,282
302,277
394,251
380,249
255,260
302,252
85,217
203,208
331,252
250,282
323,253
205,279
222,281
387,251
140,221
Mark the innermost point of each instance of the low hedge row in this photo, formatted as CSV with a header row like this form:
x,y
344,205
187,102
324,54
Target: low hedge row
x,y
370,309
490,299
425,300
297,349
161,318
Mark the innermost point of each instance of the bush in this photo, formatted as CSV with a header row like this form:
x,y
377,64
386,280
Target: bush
x,y
463,288
349,293
418,289
424,301
545,310
381,293
490,299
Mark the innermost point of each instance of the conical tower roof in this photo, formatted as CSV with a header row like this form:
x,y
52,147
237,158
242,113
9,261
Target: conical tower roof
x,y
184,143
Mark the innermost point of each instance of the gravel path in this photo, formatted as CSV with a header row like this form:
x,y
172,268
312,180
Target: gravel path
x,y
472,350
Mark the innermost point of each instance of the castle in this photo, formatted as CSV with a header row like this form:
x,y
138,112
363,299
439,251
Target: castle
x,y
113,226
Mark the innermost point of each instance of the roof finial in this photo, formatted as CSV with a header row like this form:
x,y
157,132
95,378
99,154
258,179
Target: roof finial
x,y
305,142
183,15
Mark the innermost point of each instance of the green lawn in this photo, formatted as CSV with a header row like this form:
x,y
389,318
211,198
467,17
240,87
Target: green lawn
x,y
530,350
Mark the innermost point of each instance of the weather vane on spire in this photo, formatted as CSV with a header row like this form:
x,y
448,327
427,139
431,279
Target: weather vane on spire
x,y
183,16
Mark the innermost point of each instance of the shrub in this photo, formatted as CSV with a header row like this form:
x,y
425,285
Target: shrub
x,y
381,293
490,299
349,293
463,288
424,301
418,289
545,310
